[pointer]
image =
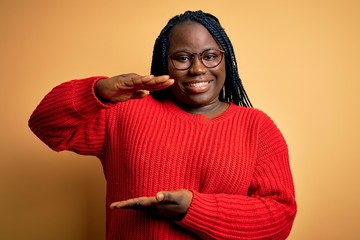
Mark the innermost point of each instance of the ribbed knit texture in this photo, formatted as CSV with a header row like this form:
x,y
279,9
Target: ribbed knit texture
x,y
236,164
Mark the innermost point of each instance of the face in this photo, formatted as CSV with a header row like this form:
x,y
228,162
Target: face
x,y
197,86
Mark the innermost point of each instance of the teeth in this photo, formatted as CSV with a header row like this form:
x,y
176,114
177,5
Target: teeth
x,y
198,84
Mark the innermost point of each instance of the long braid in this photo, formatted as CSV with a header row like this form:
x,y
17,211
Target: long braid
x,y
233,90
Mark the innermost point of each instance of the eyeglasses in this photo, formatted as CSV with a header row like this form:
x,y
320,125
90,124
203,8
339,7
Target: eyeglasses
x,y
210,58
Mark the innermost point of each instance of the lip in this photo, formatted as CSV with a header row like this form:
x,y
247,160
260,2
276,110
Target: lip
x,y
196,87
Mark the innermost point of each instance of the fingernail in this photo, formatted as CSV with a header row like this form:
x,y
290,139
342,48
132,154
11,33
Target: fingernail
x,y
160,196
113,206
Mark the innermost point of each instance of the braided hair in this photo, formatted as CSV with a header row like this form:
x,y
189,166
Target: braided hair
x,y
233,90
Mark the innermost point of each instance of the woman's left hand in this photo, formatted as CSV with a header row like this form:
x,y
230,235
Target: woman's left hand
x,y
170,204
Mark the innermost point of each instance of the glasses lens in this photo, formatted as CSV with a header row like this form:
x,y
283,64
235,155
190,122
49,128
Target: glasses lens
x,y
211,57
182,60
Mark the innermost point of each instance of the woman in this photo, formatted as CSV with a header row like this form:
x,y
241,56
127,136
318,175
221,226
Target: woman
x,y
186,161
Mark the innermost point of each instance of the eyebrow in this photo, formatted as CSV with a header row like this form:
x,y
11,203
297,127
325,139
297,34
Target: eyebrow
x,y
187,50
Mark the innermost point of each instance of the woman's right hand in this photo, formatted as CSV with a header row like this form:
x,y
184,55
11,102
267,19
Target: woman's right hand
x,y
130,86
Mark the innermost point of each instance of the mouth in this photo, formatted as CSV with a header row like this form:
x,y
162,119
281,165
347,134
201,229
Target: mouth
x,y
196,84
197,87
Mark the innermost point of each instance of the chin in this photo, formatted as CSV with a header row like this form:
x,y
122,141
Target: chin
x,y
199,100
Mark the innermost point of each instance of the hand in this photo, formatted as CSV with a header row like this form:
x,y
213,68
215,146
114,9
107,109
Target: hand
x,y
170,204
129,86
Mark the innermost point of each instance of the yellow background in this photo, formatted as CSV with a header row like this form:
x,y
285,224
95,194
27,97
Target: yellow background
x,y
299,61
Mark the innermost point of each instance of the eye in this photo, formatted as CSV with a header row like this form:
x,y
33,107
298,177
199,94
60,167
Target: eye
x,y
210,56
182,57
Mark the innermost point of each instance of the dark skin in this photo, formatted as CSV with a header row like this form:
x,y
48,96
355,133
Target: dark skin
x,y
198,99
195,38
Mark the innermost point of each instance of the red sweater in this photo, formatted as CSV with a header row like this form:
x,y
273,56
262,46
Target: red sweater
x,y
236,164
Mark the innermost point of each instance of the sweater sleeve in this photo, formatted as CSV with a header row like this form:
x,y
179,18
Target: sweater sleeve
x,y
70,117
266,212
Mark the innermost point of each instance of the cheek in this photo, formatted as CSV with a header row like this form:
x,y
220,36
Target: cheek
x,y
172,71
176,74
221,74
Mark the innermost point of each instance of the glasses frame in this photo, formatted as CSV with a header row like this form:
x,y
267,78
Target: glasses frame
x,y
199,55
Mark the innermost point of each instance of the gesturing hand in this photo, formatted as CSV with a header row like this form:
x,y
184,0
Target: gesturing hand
x,y
129,86
170,204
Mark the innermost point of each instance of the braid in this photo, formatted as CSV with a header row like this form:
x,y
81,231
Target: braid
x,y
233,90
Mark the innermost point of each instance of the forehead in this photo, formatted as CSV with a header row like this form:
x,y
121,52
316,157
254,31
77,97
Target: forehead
x,y
191,36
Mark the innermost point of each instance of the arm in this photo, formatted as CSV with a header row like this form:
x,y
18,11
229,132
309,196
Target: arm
x,y
71,116
268,213
268,210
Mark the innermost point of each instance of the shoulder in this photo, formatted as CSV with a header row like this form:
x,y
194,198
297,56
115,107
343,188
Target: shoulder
x,y
251,114
268,133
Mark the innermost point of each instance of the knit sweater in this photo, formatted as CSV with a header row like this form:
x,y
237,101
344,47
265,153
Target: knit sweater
x,y
236,164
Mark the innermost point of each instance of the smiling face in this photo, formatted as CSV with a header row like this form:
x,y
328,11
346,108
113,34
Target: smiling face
x,y
197,87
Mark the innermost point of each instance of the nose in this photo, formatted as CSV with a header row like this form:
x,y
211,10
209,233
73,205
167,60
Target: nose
x,y
197,67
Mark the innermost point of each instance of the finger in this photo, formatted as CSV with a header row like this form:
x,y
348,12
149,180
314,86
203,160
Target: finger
x,y
135,79
156,80
165,197
160,196
148,82
139,94
175,197
159,85
164,82
143,80
161,79
134,203
125,203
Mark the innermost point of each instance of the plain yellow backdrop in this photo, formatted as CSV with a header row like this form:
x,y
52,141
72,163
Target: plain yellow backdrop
x,y
299,61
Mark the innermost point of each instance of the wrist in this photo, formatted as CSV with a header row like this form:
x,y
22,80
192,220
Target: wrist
x,y
97,90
